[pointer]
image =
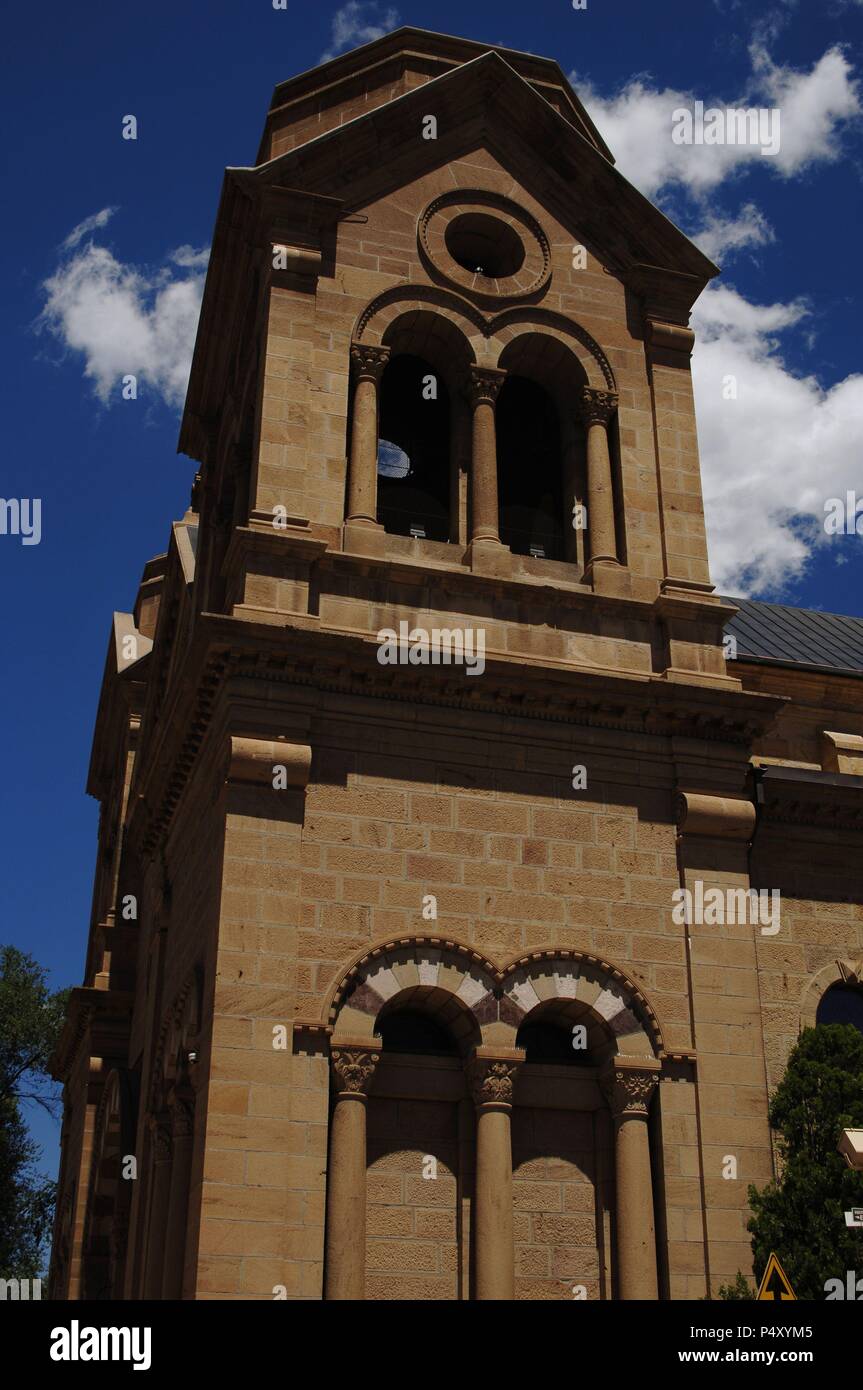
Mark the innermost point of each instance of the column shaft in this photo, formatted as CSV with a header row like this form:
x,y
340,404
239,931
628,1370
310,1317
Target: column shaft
x,y
346,1200
636,1240
159,1197
495,1252
597,407
178,1203
629,1089
353,1069
491,1075
368,363
483,388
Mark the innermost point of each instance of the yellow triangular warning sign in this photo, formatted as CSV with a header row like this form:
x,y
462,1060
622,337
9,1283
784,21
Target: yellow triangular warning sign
x,y
774,1284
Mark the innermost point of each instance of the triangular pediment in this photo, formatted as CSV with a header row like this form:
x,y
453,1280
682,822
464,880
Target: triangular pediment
x,y
486,103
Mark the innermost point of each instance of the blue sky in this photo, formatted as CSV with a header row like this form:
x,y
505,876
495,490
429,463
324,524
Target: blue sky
x,y
105,244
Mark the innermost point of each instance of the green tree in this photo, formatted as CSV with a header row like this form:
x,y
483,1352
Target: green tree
x,y
801,1216
31,1017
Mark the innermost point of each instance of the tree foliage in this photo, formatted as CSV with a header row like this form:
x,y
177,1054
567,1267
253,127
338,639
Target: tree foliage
x,y
31,1017
801,1216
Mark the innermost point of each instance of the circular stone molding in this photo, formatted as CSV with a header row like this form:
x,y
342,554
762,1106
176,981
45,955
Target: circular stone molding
x,y
484,227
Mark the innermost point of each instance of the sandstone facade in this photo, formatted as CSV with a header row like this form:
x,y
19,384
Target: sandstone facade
x,y
345,911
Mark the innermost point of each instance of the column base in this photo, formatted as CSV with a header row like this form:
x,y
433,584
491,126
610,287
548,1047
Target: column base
x,y
607,576
363,537
488,555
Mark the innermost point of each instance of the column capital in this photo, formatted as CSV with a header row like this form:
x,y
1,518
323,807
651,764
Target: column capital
x,y
161,1129
483,384
629,1088
353,1066
182,1106
368,361
595,406
491,1073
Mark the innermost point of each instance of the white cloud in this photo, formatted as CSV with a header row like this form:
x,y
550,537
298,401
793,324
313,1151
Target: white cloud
x,y
358,22
722,236
90,224
188,257
772,457
814,107
123,320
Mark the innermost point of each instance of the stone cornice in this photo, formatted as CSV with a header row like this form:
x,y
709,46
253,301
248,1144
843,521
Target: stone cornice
x,y
103,1016
225,648
824,801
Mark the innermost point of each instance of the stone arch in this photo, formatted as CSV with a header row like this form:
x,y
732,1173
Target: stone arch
x,y
483,1002
838,972
427,333
582,987
512,323
403,300
453,983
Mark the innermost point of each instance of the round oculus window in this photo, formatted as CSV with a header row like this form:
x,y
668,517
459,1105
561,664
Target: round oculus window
x,y
484,245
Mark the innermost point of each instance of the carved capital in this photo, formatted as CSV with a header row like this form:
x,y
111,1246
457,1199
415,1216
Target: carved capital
x,y
628,1090
182,1113
368,361
161,1131
596,407
491,1078
354,1067
483,384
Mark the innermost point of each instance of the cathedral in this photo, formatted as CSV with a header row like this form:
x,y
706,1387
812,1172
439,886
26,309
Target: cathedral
x,y
428,742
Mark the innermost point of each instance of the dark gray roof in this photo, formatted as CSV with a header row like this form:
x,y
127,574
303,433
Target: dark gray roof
x,y
797,636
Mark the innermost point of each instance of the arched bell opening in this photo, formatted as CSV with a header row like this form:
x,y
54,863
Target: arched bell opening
x,y
423,429
541,449
565,1033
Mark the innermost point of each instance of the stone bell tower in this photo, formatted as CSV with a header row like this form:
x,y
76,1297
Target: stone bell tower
x,y
403,1012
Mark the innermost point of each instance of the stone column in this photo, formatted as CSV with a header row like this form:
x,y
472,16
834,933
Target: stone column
x,y
183,1139
367,364
353,1066
628,1087
159,1195
483,386
491,1073
573,480
596,408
